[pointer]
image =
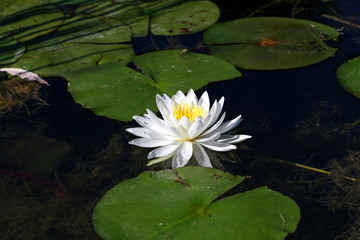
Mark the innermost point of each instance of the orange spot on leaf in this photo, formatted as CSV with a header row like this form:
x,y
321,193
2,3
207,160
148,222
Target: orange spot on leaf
x,y
268,42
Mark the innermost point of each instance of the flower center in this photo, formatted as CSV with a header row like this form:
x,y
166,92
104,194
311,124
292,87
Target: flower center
x,y
190,111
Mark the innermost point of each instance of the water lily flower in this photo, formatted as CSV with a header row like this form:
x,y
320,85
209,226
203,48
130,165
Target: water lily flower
x,y
188,126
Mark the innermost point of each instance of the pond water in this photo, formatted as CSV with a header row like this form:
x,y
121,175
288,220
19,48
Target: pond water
x,y
295,115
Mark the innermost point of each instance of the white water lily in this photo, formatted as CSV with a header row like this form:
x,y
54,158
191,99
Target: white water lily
x,y
188,125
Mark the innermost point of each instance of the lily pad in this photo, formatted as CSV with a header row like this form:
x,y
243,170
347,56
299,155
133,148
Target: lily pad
x,y
11,50
92,30
61,60
125,12
186,18
267,43
119,92
183,204
27,19
348,75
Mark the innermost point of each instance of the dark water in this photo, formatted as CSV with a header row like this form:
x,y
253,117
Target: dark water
x,y
295,115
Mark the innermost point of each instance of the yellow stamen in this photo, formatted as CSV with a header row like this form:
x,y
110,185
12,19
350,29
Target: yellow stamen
x,y
190,111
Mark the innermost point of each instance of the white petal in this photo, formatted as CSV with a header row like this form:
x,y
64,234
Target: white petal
x,y
196,128
173,120
138,131
218,146
229,125
191,96
208,138
201,156
150,142
182,155
204,102
163,151
207,120
165,126
216,110
149,124
183,132
161,136
183,127
178,97
153,124
164,105
233,138
157,160
165,99
185,123
214,127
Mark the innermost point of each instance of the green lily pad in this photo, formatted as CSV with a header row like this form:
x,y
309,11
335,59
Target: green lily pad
x,y
267,43
119,92
175,70
61,60
348,75
26,19
92,30
182,204
70,2
10,49
125,12
186,18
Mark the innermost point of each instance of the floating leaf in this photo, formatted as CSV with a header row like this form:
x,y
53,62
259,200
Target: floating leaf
x,y
124,12
268,43
348,75
183,204
186,18
10,49
61,60
119,92
27,19
92,30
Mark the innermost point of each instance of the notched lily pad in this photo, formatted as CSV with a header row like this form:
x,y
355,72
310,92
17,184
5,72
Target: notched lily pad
x,y
186,18
175,70
120,92
61,60
183,204
115,12
10,49
26,19
267,43
86,29
348,75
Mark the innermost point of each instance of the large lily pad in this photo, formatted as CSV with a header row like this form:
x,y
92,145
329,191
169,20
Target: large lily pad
x,y
186,18
61,60
115,12
27,19
267,43
348,75
119,92
180,204
92,30
10,49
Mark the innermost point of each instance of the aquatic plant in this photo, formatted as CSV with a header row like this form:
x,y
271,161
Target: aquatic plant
x,y
188,125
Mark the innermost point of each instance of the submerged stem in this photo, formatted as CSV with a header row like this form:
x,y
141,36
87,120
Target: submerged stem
x,y
311,168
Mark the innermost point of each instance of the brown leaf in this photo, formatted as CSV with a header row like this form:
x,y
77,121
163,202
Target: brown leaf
x,y
22,73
